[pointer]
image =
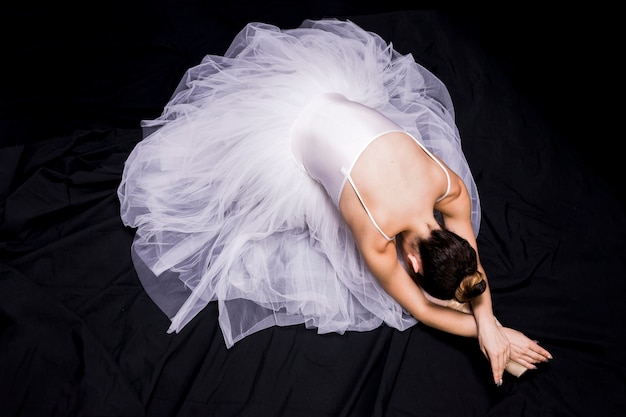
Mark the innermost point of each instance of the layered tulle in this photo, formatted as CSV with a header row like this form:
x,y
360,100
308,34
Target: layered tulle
x,y
225,213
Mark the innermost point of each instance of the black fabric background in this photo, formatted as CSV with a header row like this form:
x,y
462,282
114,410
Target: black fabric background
x,y
534,96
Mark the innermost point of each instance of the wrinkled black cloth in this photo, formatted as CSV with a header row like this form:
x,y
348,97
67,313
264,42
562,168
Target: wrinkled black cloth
x,y
80,337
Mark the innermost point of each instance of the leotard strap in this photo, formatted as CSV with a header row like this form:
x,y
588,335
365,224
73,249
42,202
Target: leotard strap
x,y
434,158
369,214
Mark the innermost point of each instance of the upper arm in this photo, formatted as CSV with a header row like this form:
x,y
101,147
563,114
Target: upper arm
x,y
456,211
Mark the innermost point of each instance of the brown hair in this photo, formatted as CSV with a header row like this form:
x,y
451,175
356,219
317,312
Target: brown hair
x,y
450,267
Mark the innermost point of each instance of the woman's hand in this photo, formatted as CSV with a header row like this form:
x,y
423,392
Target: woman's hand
x,y
496,346
524,350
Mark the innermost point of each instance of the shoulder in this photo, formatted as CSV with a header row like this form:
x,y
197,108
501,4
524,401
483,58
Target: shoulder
x,y
457,204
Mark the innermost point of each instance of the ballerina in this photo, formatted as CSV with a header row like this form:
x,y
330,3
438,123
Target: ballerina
x,y
312,176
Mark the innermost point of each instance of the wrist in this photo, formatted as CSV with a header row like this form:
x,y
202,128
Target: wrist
x,y
485,319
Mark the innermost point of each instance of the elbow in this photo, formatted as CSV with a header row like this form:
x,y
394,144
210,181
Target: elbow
x,y
422,311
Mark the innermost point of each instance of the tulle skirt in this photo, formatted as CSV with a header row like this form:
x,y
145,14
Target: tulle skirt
x,y
222,210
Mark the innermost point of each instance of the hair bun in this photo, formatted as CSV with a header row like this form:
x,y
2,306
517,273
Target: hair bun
x,y
471,286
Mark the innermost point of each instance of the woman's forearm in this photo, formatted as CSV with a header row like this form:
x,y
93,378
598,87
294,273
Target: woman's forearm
x,y
432,314
482,306
399,285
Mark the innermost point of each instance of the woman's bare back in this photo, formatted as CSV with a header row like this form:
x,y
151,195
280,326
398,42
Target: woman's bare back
x,y
398,182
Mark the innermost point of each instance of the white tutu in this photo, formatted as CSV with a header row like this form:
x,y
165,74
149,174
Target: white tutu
x,y
224,212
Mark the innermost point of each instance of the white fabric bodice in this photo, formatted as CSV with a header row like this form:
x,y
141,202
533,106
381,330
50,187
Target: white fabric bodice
x,y
329,136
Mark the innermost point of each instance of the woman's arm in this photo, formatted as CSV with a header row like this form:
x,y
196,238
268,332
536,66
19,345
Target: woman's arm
x,y
456,213
383,263
498,343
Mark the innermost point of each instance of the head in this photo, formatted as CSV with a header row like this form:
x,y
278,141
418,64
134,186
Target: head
x,y
447,267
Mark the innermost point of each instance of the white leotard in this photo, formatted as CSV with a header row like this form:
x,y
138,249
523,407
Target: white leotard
x,y
330,134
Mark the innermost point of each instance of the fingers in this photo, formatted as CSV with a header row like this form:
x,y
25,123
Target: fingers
x,y
498,371
497,368
528,364
545,355
524,351
529,355
532,353
498,363
527,359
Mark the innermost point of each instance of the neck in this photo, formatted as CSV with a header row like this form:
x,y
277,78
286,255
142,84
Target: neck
x,y
423,229
419,232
